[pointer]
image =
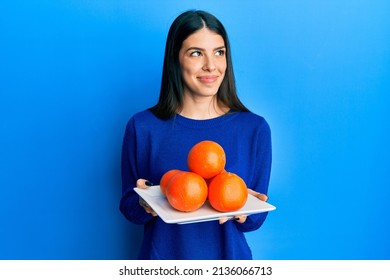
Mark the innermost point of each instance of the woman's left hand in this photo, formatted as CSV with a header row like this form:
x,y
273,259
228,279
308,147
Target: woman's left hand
x,y
242,218
258,195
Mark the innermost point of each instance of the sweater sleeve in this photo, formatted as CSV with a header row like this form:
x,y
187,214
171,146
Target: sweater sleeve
x,y
261,175
129,203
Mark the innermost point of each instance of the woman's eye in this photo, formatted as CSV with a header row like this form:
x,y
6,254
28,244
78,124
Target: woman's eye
x,y
220,53
195,53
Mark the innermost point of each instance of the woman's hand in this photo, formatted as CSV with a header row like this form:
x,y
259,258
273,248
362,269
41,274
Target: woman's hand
x,y
238,218
260,196
242,218
143,184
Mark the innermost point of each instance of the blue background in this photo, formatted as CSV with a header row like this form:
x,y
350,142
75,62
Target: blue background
x,y
73,72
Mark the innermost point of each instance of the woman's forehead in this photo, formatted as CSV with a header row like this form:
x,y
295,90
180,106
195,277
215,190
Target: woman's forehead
x,y
204,38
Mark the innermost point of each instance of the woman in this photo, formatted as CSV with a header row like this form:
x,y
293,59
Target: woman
x,y
198,101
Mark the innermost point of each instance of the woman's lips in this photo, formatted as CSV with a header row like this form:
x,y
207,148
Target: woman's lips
x,y
207,79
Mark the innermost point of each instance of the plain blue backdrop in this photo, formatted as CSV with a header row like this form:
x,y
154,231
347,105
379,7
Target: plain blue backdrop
x,y
73,72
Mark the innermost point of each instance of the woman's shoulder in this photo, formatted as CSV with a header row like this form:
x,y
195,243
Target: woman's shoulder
x,y
143,114
251,118
146,120
143,117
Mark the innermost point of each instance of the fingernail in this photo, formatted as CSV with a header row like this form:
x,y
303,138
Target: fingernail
x,y
148,183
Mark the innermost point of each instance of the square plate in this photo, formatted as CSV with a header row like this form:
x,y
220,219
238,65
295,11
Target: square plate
x,y
158,202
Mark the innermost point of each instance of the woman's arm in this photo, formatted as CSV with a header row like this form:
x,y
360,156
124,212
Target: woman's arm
x,y
130,201
261,178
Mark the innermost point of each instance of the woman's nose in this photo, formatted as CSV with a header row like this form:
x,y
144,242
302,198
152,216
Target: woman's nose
x,y
209,64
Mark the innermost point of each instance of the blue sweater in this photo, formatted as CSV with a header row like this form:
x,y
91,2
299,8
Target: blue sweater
x,y
152,146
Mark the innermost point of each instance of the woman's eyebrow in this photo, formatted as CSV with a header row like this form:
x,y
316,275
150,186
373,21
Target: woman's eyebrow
x,y
201,49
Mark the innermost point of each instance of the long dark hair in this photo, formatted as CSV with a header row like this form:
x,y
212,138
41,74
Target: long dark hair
x,y
171,92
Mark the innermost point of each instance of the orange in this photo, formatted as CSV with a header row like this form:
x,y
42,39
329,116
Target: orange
x,y
208,181
227,192
186,191
164,181
206,158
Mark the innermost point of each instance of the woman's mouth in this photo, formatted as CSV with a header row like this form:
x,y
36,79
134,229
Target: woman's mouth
x,y
207,79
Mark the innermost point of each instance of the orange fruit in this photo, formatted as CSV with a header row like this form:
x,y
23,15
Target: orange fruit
x,y
206,158
227,192
164,181
186,191
208,181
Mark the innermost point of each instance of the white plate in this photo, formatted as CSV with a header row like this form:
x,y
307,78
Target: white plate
x,y
154,197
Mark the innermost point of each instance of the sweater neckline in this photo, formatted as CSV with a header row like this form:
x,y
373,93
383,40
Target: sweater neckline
x,y
179,119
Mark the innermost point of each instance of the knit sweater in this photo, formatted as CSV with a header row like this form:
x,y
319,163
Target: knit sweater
x,y
152,146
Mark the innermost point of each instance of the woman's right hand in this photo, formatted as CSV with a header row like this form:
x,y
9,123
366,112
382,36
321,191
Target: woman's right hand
x,y
142,184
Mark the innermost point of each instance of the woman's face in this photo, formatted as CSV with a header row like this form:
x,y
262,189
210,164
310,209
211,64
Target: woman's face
x,y
203,62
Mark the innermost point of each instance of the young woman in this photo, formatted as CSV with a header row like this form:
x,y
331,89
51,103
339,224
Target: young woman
x,y
198,101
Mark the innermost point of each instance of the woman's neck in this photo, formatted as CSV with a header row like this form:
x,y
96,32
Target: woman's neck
x,y
202,108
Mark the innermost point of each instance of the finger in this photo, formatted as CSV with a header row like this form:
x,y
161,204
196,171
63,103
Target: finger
x,y
147,207
240,218
262,197
143,202
142,183
258,195
150,211
252,192
154,214
223,220
235,218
